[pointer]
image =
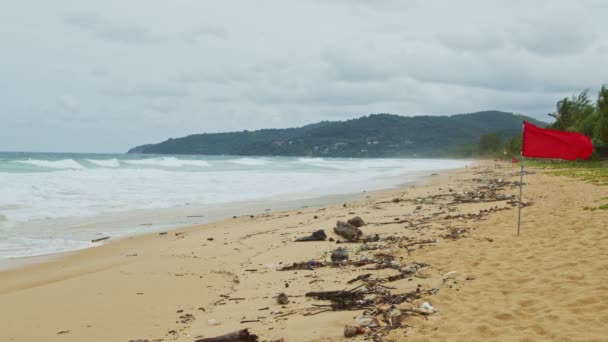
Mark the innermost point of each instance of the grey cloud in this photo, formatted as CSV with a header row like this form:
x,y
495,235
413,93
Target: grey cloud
x,y
98,26
163,106
333,93
560,29
353,67
477,40
148,91
204,32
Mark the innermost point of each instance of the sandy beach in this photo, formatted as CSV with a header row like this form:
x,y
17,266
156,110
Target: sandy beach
x,y
450,242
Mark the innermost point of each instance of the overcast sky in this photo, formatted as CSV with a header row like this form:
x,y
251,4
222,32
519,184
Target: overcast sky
x,y
104,76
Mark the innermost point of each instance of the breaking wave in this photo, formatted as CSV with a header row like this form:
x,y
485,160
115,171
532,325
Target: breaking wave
x,y
53,164
168,162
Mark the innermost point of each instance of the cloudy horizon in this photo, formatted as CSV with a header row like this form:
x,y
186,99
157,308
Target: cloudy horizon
x,y
107,76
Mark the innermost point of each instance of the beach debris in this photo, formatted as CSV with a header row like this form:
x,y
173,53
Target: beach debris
x,y
319,235
139,340
213,321
100,239
308,265
187,318
282,298
455,233
393,316
356,221
361,277
417,243
274,266
340,295
374,238
237,336
63,332
425,308
162,233
340,254
348,231
351,331
366,320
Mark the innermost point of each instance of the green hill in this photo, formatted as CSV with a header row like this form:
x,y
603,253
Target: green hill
x,y
376,135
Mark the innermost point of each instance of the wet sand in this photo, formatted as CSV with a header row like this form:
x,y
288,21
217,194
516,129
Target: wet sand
x,y
486,283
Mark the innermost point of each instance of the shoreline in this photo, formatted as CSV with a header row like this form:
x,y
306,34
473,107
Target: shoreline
x,y
170,287
213,213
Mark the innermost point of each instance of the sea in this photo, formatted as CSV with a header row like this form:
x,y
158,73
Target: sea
x,y
59,202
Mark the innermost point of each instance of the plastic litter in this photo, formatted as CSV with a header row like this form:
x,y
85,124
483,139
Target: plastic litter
x,y
213,321
351,331
367,321
340,254
425,308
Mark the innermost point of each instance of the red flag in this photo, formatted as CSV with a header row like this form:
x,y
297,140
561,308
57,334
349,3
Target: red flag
x,y
547,143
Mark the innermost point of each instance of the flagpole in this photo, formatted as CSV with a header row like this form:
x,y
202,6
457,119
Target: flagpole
x,y
521,186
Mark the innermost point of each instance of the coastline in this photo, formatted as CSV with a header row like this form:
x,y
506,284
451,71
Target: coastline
x,y
60,215
134,288
213,213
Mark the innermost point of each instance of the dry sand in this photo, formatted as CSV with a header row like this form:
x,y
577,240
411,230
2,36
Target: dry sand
x,y
550,283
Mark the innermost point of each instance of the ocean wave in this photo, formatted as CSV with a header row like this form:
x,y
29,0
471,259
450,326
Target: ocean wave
x,y
168,162
310,160
53,164
249,161
105,162
19,247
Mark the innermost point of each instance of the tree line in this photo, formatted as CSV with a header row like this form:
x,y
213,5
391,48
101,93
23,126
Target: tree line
x,y
575,114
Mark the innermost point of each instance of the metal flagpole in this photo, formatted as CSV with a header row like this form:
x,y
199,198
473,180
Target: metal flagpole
x,y
521,186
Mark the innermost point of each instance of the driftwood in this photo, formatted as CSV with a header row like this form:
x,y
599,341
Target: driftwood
x,y
335,295
390,222
361,277
417,243
237,336
307,265
100,239
348,231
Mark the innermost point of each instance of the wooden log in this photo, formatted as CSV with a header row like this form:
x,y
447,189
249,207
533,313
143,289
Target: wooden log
x,y
237,336
334,295
100,239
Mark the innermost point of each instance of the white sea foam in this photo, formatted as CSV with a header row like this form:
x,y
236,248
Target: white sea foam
x,y
310,160
52,164
105,162
249,161
168,162
44,211
19,247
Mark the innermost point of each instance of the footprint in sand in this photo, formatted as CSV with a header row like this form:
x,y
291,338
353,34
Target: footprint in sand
x,y
526,302
504,316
